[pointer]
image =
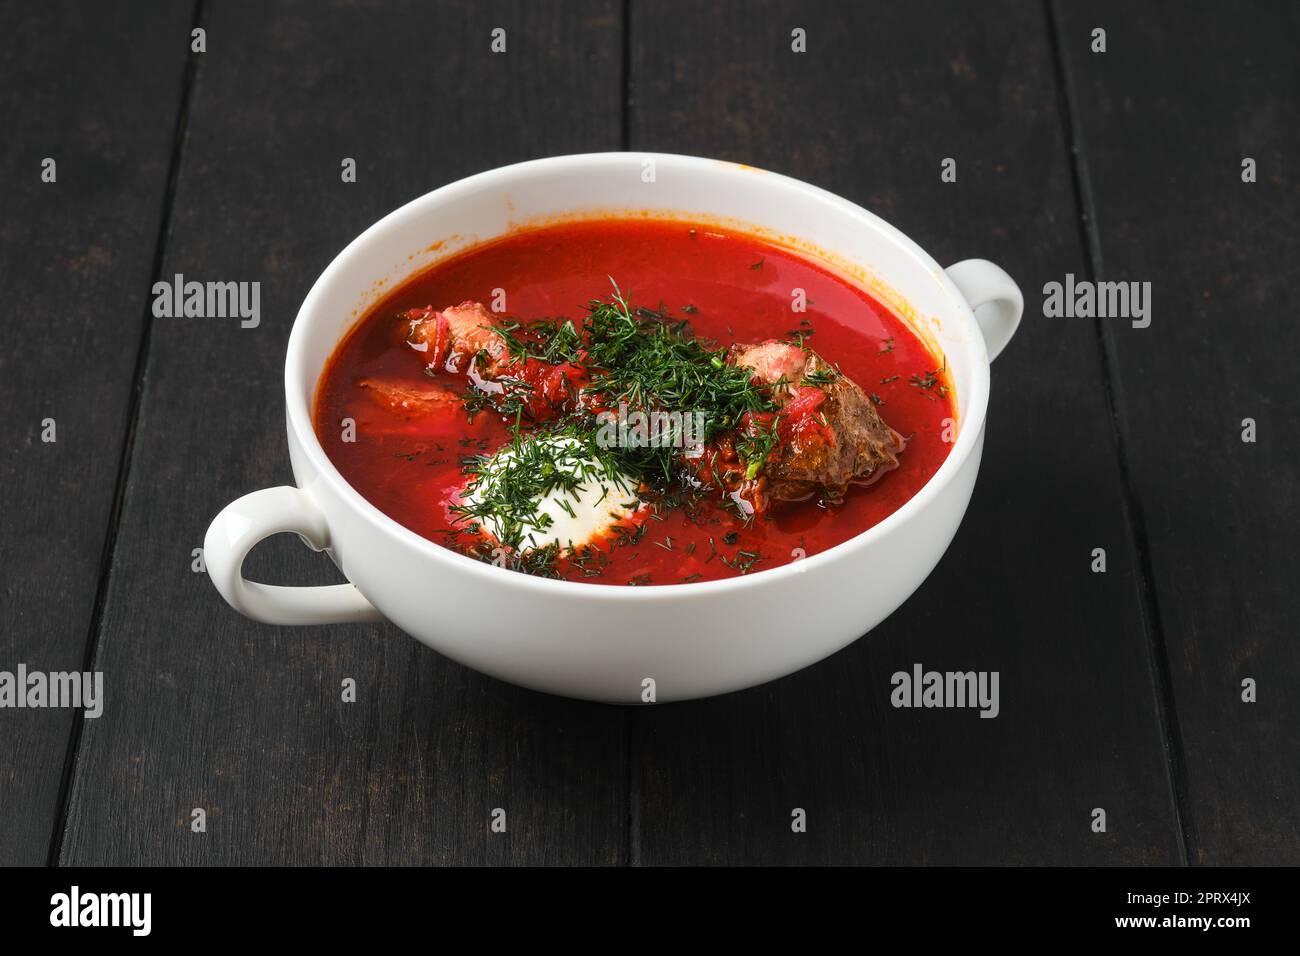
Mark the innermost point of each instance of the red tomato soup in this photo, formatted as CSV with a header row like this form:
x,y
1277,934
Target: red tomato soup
x,y
818,423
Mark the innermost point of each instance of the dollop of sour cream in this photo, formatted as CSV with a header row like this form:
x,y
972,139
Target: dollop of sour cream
x,y
574,512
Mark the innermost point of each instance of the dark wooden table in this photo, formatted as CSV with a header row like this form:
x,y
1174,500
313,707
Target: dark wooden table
x,y
1119,690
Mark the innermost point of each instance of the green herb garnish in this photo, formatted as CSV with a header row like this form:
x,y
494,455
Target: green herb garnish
x,y
506,488
821,377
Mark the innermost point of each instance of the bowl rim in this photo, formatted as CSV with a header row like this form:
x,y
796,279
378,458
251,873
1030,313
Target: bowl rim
x,y
300,420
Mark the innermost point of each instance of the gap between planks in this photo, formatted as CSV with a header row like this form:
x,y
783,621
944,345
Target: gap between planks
x,y
128,439
1152,623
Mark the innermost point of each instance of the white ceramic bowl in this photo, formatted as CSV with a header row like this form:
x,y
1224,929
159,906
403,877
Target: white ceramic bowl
x,y
604,642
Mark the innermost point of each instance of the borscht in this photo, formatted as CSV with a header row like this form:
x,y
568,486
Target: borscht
x,y
634,401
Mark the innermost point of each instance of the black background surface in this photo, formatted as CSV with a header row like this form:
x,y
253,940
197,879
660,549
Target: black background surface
x,y
1119,690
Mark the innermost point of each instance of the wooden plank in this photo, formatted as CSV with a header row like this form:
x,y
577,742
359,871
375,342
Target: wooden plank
x,y
884,93
1182,95
243,720
95,89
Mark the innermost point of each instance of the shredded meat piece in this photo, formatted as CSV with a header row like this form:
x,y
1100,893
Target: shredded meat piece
x,y
452,338
407,399
464,339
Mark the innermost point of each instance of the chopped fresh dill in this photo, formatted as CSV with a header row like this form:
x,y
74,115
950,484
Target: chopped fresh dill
x,y
655,364
821,377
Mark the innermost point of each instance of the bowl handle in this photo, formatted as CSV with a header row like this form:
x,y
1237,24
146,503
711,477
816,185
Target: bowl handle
x,y
994,297
245,522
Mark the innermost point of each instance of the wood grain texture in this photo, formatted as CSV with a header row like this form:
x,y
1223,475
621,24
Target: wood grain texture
x,y
884,93
75,260
1119,690
210,710
1183,93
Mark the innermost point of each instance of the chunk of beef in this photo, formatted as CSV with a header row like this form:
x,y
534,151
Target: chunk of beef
x,y
775,363
830,433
